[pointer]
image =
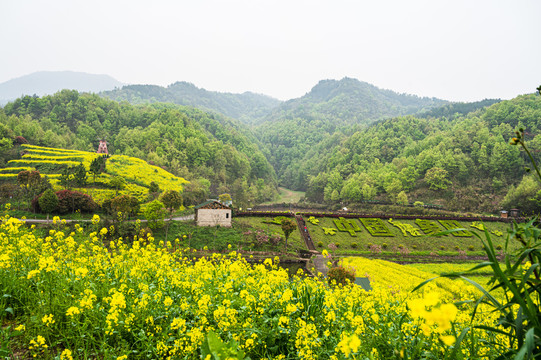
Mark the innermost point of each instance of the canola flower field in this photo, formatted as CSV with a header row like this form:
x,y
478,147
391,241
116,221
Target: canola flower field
x,y
137,173
67,296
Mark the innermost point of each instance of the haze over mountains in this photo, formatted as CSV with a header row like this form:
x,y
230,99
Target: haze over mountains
x,y
245,107
49,82
357,101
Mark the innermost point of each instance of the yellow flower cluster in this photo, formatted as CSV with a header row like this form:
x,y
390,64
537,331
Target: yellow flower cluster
x,y
161,303
143,173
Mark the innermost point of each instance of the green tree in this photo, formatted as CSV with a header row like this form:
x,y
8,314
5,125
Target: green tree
x,y
48,202
118,183
526,196
67,178
79,172
172,201
31,183
288,226
436,178
225,198
126,205
97,166
154,187
153,190
155,214
402,198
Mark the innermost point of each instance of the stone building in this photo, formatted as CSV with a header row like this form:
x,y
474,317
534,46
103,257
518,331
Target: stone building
x,y
212,213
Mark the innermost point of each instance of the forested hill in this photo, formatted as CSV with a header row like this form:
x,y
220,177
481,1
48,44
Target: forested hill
x,y
245,107
214,153
330,109
464,164
350,101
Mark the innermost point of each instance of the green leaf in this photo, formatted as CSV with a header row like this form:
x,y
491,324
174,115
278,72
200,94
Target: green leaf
x,y
456,347
528,346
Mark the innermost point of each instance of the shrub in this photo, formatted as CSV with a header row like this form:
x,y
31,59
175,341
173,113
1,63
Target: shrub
x,y
369,245
414,247
499,247
354,245
457,248
337,245
340,275
471,248
320,244
375,249
69,201
384,245
442,247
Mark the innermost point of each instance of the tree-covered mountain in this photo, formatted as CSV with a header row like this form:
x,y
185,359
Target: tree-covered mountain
x,y
49,82
464,163
245,107
331,108
350,102
213,152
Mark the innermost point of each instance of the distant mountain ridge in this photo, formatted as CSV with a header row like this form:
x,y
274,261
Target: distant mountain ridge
x,y
351,101
49,82
244,107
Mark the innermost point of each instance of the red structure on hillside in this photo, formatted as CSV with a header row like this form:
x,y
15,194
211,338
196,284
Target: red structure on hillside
x,y
102,149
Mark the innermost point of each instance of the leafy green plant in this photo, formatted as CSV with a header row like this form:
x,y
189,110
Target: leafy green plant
x,y
518,278
215,348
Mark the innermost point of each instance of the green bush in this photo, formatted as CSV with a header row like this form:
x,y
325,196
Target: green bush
x,y
354,245
471,248
384,245
320,244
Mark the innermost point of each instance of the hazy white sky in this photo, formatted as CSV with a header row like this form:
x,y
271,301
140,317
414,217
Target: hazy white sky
x,y
461,50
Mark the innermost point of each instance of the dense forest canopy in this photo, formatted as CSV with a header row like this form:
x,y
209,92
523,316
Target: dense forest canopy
x,y
465,163
345,142
245,107
209,150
